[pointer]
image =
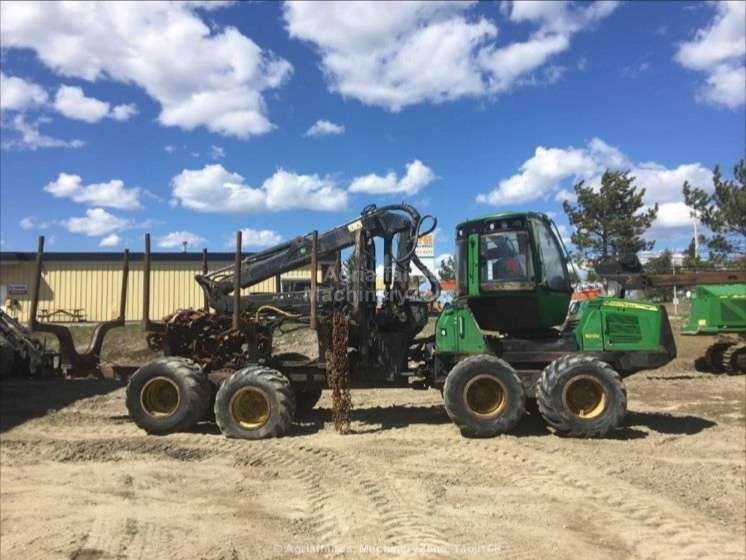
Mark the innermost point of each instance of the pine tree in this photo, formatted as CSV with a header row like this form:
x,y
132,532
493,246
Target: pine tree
x,y
662,264
447,270
723,211
610,221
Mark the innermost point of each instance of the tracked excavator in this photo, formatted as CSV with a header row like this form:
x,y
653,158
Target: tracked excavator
x,y
507,336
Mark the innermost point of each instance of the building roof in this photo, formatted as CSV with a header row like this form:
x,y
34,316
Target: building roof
x,y
11,257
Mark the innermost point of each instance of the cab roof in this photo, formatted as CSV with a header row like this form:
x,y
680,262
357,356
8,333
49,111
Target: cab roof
x,y
505,215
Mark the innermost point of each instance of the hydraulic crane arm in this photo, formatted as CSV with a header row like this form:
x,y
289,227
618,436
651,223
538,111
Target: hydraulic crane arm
x,y
385,222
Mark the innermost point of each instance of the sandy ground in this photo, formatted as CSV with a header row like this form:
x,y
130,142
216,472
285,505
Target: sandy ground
x,y
79,481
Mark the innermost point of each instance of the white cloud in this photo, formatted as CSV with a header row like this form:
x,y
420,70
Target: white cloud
x,y
111,240
216,152
674,215
258,238
123,112
418,175
17,94
27,223
29,137
71,102
324,128
200,76
176,239
215,189
96,222
414,52
545,173
718,51
111,194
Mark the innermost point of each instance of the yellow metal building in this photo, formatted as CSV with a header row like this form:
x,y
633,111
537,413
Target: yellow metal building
x,y
89,284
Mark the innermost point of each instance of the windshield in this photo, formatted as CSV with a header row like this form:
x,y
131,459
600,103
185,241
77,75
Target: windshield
x,y
505,261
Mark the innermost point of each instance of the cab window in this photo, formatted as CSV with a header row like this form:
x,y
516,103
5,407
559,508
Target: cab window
x,y
505,261
554,272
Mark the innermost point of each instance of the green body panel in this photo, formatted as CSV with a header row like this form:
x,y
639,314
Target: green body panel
x,y
718,308
612,324
457,332
605,324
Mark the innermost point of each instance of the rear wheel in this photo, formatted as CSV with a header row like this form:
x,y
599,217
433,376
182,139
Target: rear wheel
x,y
483,396
734,359
168,395
581,396
255,403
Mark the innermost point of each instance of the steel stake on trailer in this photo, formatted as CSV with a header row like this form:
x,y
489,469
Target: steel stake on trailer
x,y
88,362
204,271
314,274
237,282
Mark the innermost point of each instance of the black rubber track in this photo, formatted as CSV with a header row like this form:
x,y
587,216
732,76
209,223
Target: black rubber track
x,y
549,395
194,391
472,425
275,386
714,356
732,357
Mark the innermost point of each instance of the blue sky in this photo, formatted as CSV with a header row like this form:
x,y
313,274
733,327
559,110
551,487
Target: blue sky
x,y
193,121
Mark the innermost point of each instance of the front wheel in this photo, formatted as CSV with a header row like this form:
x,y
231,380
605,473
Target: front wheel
x,y
255,403
483,396
581,396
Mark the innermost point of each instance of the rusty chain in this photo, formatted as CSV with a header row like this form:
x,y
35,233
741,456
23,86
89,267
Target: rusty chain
x,y
338,373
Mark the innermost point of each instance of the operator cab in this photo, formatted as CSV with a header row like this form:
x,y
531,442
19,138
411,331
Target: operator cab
x,y
512,272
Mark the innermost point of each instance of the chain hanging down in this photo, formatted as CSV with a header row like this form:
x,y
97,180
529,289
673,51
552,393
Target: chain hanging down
x,y
338,373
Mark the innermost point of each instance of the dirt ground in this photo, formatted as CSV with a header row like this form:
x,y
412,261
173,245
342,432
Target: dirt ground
x,y
79,481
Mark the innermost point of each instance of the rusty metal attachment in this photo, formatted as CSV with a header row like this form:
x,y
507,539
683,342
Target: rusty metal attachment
x,y
86,363
211,340
338,373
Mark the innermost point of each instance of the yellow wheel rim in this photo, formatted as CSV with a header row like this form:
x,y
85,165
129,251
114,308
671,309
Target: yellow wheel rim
x,y
585,397
160,397
250,408
485,396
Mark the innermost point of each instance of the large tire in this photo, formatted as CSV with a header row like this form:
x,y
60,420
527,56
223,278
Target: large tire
x,y
483,396
305,399
581,396
168,395
255,403
714,356
734,359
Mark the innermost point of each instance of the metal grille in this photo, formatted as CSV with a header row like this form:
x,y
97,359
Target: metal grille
x,y
623,329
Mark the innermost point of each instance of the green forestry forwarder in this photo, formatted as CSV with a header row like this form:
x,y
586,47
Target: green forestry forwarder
x,y
507,336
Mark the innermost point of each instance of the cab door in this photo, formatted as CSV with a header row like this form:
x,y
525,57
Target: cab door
x,y
554,288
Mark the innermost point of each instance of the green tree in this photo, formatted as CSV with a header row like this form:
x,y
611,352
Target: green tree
x,y
692,260
662,264
610,221
723,211
447,270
